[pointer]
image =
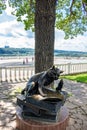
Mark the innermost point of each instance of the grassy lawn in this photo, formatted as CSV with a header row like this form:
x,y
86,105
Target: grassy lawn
x,y
77,77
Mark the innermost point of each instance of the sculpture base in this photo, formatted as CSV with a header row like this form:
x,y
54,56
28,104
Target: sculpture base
x,y
24,124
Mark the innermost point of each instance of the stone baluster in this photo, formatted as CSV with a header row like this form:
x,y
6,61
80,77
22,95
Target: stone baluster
x,y
69,68
10,76
15,78
20,74
6,77
23,73
0,74
27,73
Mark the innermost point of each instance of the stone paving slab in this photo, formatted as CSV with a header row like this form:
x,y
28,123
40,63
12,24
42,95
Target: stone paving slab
x,y
76,104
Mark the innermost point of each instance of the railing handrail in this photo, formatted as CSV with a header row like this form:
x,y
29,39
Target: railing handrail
x,y
24,72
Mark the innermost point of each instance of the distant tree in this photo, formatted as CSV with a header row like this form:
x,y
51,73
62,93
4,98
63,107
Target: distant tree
x,y
42,16
2,5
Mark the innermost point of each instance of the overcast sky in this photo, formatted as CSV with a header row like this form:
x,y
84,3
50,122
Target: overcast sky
x,y
12,33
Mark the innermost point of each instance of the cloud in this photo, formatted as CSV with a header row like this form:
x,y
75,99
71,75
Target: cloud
x,y
12,33
79,43
6,18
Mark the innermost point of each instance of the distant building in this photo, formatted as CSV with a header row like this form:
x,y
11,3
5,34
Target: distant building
x,y
6,47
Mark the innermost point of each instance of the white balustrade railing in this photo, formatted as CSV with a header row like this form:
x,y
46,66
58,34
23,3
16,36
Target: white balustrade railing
x,y
73,68
16,73
23,73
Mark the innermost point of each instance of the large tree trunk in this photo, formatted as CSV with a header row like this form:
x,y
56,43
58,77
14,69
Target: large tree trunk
x,y
44,34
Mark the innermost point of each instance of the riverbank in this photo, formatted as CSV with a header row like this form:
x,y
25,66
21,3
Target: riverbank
x,y
29,60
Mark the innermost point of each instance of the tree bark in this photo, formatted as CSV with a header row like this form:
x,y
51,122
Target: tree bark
x,y
44,34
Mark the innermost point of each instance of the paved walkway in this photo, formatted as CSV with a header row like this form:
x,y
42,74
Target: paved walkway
x,y
76,104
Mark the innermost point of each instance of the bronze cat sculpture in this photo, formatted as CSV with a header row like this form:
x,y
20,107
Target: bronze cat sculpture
x,y
41,80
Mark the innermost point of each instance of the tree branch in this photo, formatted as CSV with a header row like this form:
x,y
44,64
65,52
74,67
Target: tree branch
x,y
71,12
84,6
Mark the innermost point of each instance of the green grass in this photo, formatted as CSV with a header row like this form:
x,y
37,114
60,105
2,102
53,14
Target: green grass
x,y
77,77
15,92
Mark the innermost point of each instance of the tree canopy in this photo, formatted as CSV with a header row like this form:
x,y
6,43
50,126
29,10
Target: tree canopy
x,y
43,16
2,5
71,15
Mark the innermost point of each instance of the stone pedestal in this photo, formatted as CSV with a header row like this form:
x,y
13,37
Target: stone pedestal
x,y
25,124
